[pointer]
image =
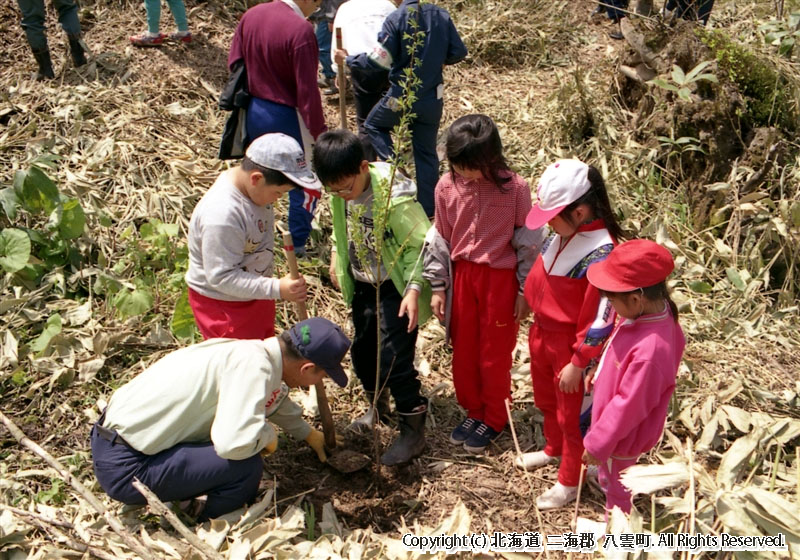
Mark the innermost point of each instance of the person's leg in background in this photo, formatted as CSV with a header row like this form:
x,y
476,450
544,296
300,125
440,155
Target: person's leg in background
x,y
33,22
424,131
379,124
368,89
68,18
178,9
616,10
324,36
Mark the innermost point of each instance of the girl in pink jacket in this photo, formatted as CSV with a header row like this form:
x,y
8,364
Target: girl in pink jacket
x,y
635,378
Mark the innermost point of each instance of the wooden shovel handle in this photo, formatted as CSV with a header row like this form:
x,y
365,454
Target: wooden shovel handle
x,y
342,84
328,429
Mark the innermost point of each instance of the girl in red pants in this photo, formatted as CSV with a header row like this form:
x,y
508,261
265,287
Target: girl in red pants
x,y
571,320
481,207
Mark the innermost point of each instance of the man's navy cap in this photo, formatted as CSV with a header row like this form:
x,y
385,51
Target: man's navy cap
x,y
324,343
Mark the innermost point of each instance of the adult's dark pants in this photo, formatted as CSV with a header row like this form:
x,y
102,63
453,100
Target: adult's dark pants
x,y
397,345
615,9
181,472
691,9
424,128
324,37
33,20
368,87
263,117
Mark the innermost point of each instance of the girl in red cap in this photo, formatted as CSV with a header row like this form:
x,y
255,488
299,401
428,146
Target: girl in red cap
x,y
635,378
571,320
481,207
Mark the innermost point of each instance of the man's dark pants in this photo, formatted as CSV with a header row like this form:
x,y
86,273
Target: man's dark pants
x,y
181,472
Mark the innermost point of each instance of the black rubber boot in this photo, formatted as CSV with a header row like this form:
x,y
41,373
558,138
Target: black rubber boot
x,y
45,65
76,50
366,423
411,442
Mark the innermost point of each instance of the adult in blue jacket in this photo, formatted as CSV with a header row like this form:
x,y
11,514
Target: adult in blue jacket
x,y
442,45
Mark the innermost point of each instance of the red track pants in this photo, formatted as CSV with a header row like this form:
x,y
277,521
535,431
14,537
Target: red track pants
x,y
215,318
550,352
483,333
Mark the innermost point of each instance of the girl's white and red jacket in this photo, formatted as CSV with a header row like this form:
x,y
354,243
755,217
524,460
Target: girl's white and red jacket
x,y
560,296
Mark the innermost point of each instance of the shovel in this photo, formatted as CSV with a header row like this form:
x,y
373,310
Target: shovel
x,y
348,461
343,460
325,415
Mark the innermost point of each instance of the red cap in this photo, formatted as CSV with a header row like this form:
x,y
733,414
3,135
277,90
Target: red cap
x,y
632,265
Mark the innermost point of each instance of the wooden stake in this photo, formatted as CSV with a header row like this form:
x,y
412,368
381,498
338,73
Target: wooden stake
x,y
527,475
205,549
84,492
578,497
342,79
328,429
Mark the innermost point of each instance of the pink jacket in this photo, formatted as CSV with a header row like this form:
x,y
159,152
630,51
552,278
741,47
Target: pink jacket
x,y
634,383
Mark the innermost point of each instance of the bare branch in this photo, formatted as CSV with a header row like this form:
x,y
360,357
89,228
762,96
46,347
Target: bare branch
x,y
160,508
115,524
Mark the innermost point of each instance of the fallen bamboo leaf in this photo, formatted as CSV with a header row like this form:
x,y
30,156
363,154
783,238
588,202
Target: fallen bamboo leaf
x,y
648,479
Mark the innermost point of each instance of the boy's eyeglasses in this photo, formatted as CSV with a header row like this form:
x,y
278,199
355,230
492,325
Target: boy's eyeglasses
x,y
342,190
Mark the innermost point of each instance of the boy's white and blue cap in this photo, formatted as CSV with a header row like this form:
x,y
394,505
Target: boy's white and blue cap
x,y
282,153
323,343
562,183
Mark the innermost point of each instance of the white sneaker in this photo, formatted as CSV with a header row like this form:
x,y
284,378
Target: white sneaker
x,y
557,496
530,461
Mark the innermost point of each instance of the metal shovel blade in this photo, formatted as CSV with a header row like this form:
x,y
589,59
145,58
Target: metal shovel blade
x,y
348,461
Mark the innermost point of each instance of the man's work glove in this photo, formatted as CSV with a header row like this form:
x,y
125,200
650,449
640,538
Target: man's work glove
x,y
270,448
317,442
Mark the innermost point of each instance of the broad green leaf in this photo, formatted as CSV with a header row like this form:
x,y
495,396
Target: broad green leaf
x,y
170,230
133,302
36,191
51,329
787,45
73,219
677,75
15,249
795,211
683,93
10,202
693,73
708,77
736,278
182,324
700,287
662,83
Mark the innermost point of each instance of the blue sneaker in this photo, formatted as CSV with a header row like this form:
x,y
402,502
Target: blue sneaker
x,y
480,438
464,430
